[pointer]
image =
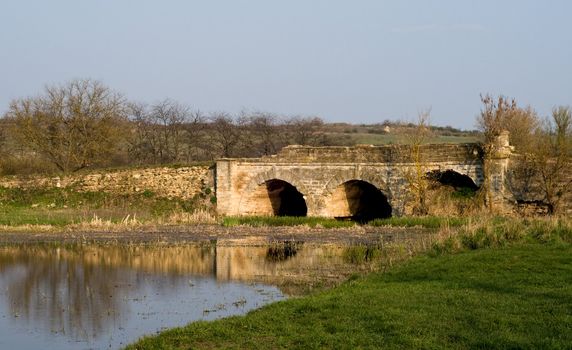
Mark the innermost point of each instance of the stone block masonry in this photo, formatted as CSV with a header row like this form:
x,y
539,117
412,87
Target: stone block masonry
x,y
183,182
368,181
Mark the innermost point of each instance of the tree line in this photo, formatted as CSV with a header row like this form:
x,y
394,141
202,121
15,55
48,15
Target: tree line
x,y
85,124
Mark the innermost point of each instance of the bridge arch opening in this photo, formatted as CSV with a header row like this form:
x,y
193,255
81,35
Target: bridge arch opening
x,y
360,201
459,182
276,197
450,193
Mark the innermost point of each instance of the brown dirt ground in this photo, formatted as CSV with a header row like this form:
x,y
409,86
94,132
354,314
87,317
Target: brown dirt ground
x,y
239,235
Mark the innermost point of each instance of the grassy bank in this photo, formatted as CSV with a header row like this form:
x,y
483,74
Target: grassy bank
x,y
517,293
64,206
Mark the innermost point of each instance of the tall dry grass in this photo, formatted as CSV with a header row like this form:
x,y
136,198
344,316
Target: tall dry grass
x,y
129,222
199,216
489,232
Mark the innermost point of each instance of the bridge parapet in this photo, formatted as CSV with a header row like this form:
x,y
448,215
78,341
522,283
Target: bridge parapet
x,y
376,154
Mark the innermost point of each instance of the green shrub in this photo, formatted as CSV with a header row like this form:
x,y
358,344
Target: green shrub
x,y
464,193
148,193
446,246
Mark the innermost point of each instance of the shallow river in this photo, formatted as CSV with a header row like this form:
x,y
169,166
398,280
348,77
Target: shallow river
x,y
107,296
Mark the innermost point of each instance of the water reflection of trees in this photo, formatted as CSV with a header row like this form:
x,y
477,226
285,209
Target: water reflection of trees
x,y
81,290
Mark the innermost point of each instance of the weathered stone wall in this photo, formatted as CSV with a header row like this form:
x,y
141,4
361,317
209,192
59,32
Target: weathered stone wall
x,y
183,182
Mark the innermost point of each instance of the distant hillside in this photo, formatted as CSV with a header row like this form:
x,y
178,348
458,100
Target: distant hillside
x,y
393,132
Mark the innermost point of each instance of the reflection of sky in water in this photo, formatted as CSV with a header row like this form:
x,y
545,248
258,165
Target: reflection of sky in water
x,y
101,297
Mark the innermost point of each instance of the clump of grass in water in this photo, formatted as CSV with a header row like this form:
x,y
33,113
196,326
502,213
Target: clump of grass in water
x,y
282,251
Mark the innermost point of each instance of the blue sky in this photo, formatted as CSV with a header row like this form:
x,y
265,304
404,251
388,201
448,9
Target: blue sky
x,y
353,61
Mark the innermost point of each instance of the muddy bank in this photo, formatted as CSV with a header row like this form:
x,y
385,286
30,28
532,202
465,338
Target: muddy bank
x,y
231,235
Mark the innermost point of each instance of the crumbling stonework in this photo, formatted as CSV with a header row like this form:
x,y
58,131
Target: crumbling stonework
x,y
183,182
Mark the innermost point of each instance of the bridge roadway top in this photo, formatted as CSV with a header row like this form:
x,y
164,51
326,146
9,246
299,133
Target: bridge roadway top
x,y
430,153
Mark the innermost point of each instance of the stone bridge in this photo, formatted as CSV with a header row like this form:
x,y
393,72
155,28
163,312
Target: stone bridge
x,y
360,181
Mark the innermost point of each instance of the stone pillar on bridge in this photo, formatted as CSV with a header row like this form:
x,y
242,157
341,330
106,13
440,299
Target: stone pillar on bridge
x,y
497,164
223,186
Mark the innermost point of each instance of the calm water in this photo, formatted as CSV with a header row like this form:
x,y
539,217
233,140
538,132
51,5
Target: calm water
x,y
101,297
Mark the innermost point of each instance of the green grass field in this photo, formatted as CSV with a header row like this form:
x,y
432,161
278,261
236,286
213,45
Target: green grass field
x,y
384,139
61,207
515,296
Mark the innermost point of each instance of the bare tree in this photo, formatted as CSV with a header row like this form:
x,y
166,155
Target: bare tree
x,y
499,115
226,134
503,114
264,133
162,131
306,130
3,136
144,141
169,117
74,126
195,138
417,177
551,157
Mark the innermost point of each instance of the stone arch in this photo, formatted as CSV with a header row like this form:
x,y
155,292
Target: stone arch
x,y
368,176
359,195
285,175
453,178
277,193
449,192
471,170
358,200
